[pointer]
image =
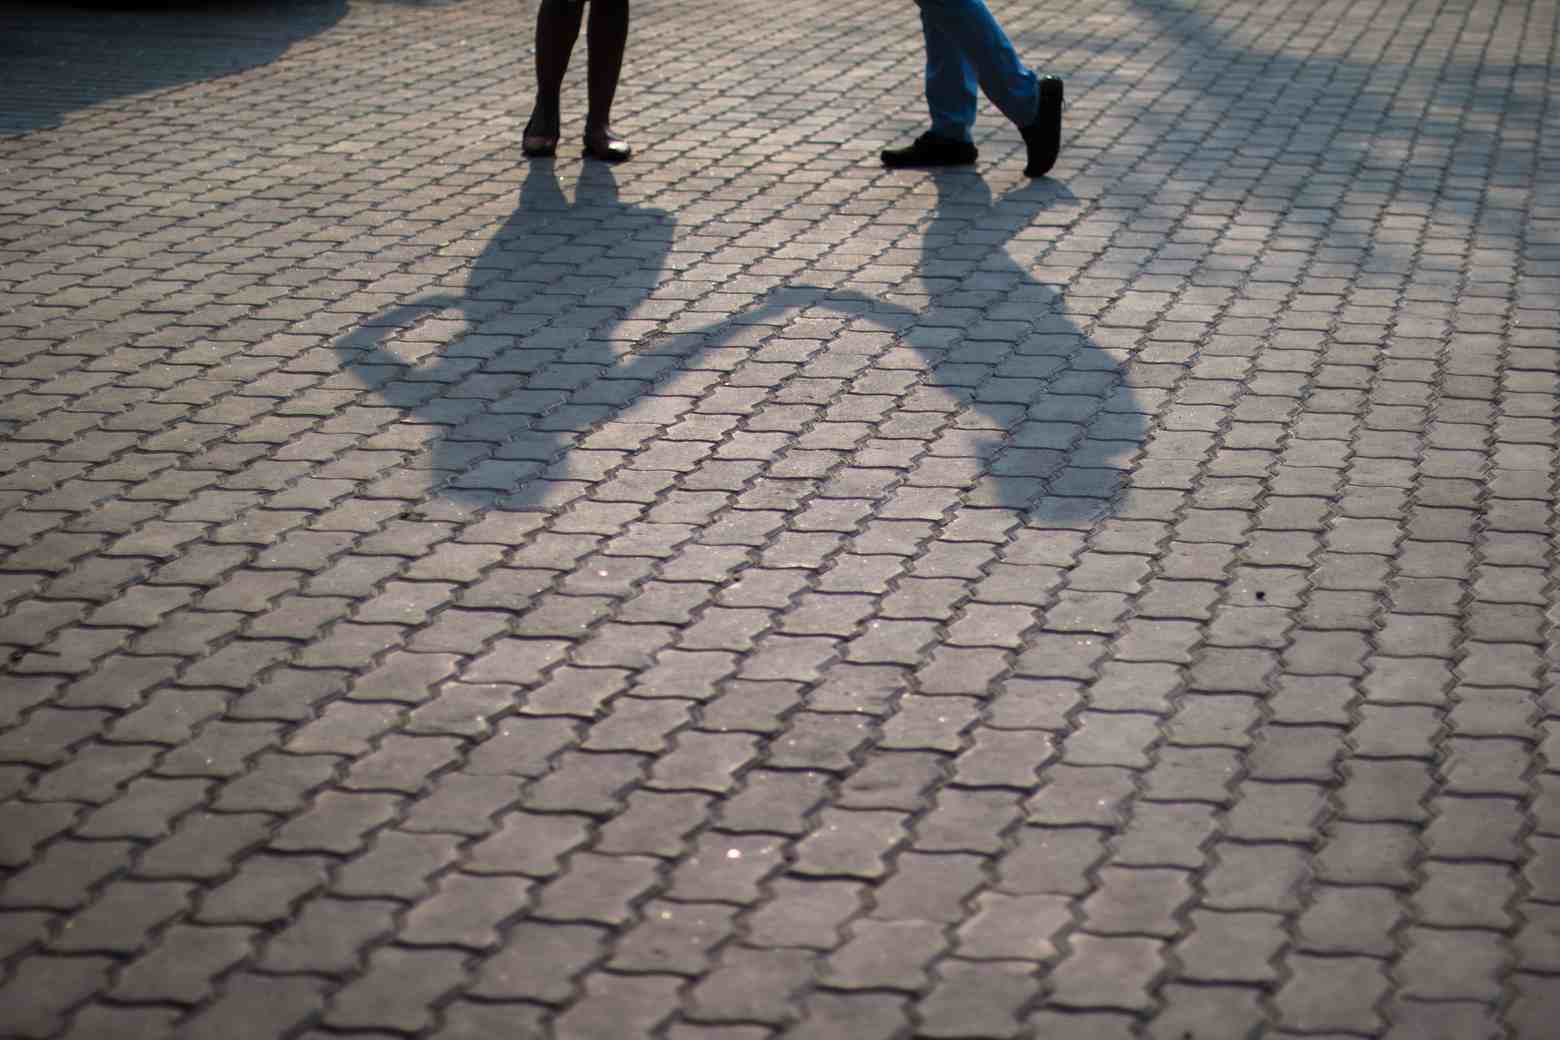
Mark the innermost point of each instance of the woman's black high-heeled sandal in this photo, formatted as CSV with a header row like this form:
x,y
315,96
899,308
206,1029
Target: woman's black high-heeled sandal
x,y
539,145
604,145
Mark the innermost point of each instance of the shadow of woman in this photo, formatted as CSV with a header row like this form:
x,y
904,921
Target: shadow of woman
x,y
547,370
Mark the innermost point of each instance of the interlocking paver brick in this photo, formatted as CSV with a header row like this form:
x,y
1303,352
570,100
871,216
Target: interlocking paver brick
x,y
1350,919
41,990
254,1006
1442,964
401,763
1332,993
519,747
1107,972
951,671
928,886
1285,752
1166,833
1076,795
775,801
288,694
263,890
654,823
703,761
1368,853
1003,758
336,822
673,937
928,723
183,964
1255,877
146,809
814,740
1111,739
1070,1024
873,1016
28,694
597,888
971,1000
1231,947
1016,927
1474,828
102,1019
461,709
968,820
750,985
327,935
343,728
1032,704
221,749
1485,766
528,843
867,688
26,826
122,919
1396,730
1212,719
1192,774
805,913
850,843
1545,809
514,660
1538,941
633,724
396,990
395,866
568,691
120,682
1152,640
405,677
884,954
1442,1020
45,736
616,1003
1465,895
1207,1011
1136,901
1408,680
537,962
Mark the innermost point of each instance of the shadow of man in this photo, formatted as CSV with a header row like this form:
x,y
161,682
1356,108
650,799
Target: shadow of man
x,y
547,369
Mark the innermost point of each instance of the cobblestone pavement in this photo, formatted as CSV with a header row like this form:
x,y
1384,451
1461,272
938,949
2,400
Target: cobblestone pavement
x,y
747,593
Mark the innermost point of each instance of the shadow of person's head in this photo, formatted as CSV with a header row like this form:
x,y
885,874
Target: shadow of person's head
x,y
504,370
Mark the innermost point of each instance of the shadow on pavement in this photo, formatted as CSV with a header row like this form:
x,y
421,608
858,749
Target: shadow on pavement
x,y
1360,108
56,58
509,378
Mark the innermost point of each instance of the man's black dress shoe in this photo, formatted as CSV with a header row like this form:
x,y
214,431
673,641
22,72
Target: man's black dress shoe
x,y
931,150
602,144
1043,137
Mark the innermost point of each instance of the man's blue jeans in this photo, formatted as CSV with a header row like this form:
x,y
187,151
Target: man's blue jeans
x,y
966,49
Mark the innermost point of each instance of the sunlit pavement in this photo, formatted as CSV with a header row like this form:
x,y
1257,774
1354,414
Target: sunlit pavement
x,y
748,593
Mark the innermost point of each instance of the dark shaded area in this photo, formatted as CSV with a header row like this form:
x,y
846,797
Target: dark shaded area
x,y
57,58
1420,121
510,377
